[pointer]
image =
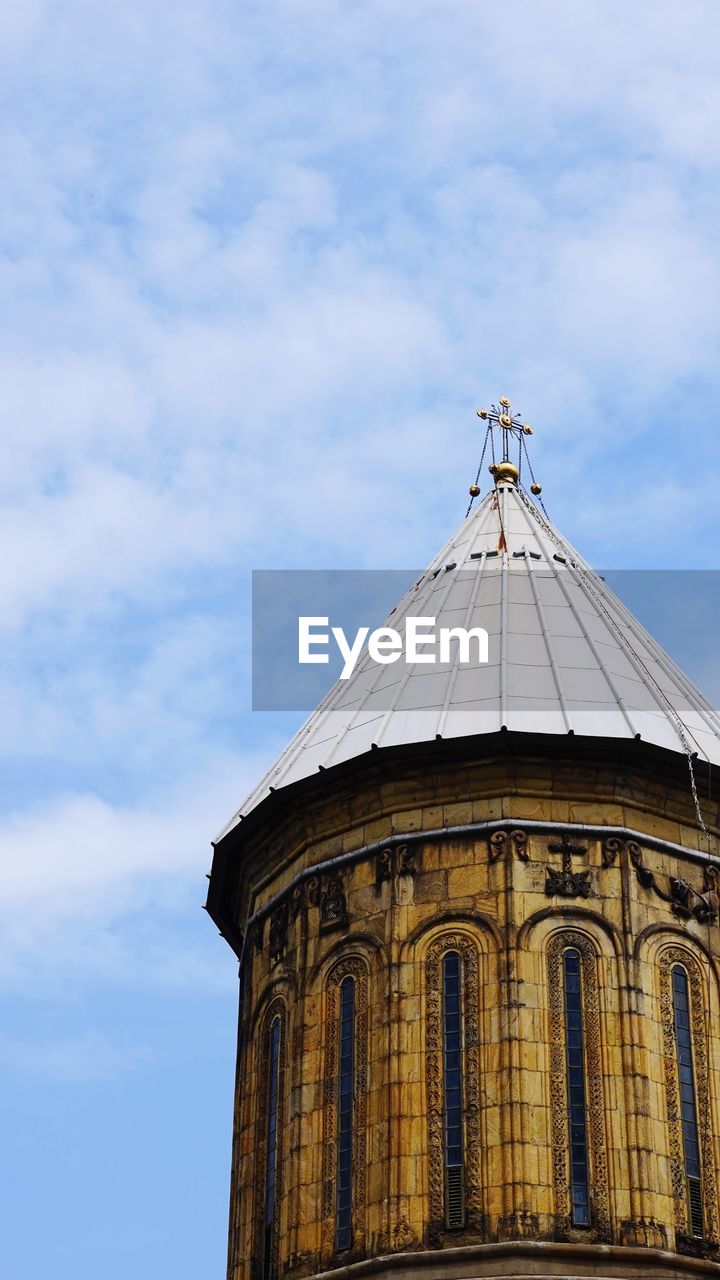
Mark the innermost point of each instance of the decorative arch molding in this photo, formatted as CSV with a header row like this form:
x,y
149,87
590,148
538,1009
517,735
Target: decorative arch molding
x,y
581,917
651,941
453,940
482,928
281,989
275,1009
559,942
669,957
365,946
661,931
355,967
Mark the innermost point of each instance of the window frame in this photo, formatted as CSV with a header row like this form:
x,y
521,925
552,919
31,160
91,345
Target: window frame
x,y
474,1147
454,1088
576,1088
597,1152
671,957
353,967
269,1165
345,1145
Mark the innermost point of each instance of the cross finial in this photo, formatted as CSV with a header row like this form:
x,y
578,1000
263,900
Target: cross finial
x,y
511,423
500,416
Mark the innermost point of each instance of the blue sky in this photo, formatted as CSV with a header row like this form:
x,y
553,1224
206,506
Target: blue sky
x,y
259,264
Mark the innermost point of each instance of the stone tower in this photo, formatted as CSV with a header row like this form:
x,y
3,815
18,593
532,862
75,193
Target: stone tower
x,y
476,915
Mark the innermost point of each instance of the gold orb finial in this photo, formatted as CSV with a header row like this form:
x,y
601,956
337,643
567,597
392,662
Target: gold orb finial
x,y
504,472
474,490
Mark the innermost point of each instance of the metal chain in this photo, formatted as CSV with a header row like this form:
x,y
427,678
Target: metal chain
x,y
477,477
489,436
532,474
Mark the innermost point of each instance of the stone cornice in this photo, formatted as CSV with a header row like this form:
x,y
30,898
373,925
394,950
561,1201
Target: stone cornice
x,y
473,829
555,1259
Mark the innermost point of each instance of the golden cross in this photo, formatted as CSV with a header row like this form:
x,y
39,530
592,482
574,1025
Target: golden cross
x,y
511,423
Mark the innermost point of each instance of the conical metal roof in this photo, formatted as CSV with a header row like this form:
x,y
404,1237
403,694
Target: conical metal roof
x,y
565,656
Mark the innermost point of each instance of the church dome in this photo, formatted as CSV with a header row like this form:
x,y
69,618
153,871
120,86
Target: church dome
x,y
565,657
476,911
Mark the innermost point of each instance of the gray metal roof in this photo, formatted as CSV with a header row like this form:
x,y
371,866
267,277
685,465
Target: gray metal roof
x,y
565,655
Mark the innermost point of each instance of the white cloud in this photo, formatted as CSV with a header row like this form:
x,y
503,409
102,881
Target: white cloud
x,y
259,266
93,888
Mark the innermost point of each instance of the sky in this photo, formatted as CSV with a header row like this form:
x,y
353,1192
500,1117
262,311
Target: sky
x,y
259,265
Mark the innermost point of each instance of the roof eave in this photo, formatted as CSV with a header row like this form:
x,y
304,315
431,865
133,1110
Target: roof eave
x,y
227,850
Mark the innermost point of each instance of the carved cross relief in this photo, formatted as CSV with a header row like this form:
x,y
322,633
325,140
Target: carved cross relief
x,y
567,883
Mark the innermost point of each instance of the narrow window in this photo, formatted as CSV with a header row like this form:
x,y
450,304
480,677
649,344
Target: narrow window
x,y
688,1103
575,1069
453,1091
345,1117
271,1169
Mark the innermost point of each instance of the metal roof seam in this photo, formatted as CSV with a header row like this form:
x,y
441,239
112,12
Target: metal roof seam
x,y
547,638
408,673
453,674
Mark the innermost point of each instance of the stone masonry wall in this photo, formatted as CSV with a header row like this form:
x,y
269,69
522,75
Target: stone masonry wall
x,y
544,861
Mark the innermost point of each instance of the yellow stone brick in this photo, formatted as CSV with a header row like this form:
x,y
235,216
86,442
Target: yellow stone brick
x,y
517,1100
464,882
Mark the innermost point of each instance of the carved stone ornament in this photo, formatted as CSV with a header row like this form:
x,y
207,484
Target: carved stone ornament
x,y
317,891
384,866
597,1148
643,1232
403,1236
400,1237
686,902
395,860
504,843
567,883
333,906
518,1225
405,859
611,847
297,900
278,931
312,891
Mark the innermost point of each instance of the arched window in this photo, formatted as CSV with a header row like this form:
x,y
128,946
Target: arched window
x,y
688,1100
453,1089
345,1109
453,1086
577,1107
345,1113
270,1129
575,1085
683,998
